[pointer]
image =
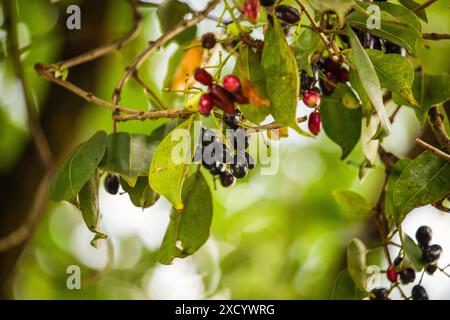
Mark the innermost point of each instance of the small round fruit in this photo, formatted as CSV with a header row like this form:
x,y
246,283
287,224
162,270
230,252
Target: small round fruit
x,y
205,105
267,3
222,99
216,169
241,140
432,254
311,99
307,82
250,161
314,123
393,48
202,76
287,14
424,235
379,294
239,170
231,83
431,269
419,293
392,274
112,184
251,10
343,75
209,40
232,120
407,276
398,261
226,179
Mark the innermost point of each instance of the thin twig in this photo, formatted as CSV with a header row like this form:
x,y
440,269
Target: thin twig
x,y
436,36
439,129
155,45
423,6
274,126
33,119
433,149
153,115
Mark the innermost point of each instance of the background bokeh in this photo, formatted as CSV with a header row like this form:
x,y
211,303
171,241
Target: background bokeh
x,y
273,237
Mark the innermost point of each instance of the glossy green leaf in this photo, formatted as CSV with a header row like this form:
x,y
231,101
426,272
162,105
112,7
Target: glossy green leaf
x,y
170,163
398,25
413,253
394,174
170,13
141,195
356,263
129,155
369,79
189,228
282,77
411,5
304,47
395,73
78,167
425,180
248,66
89,206
352,203
345,288
366,105
341,124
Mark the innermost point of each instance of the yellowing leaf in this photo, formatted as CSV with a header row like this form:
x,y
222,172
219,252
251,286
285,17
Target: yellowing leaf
x,y
192,59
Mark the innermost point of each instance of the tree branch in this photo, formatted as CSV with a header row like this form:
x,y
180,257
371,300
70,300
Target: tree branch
x,y
439,129
436,36
154,45
423,6
433,149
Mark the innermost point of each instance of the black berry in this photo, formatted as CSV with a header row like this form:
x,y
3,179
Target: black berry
x,y
307,82
239,167
393,48
216,169
398,261
432,254
424,235
287,14
250,161
112,184
407,276
365,38
379,294
208,136
232,120
267,3
431,269
209,40
419,293
240,140
226,179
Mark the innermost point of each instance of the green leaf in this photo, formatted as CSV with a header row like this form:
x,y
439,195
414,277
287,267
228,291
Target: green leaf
x,y
429,90
341,124
352,203
129,155
395,173
282,77
141,195
369,79
304,48
356,84
189,228
356,263
339,6
413,253
248,66
78,168
88,198
170,13
411,5
398,25
395,73
345,288
425,180
166,174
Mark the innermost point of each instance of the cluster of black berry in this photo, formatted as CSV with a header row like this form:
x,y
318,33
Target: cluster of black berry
x,y
369,41
226,162
430,257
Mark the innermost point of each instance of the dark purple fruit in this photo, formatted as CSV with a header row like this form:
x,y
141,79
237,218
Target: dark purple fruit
x,y
250,161
267,3
208,136
287,14
239,170
419,293
307,82
379,294
407,276
424,235
209,40
216,169
378,43
202,76
238,97
393,48
222,99
432,254
226,179
365,38
398,261
431,269
112,184
241,140
232,120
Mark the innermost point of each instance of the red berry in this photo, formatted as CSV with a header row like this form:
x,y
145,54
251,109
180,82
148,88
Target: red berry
x,y
251,9
240,98
222,99
202,76
232,83
314,123
311,98
205,105
392,274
